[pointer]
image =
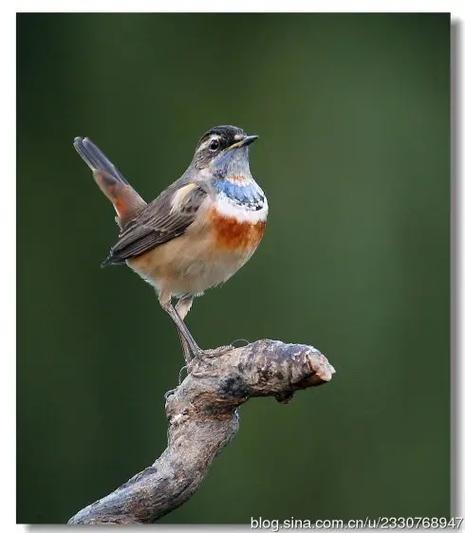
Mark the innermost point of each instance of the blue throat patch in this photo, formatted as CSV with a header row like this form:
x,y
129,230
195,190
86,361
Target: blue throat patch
x,y
249,196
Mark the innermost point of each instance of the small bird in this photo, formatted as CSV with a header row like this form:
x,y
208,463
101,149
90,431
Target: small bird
x,y
198,232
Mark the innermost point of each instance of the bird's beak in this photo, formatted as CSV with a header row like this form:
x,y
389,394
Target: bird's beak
x,y
245,141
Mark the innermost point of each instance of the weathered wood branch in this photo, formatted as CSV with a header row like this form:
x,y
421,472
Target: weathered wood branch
x,y
203,418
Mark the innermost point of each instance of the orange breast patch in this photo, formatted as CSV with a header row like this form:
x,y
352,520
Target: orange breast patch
x,y
237,178
234,235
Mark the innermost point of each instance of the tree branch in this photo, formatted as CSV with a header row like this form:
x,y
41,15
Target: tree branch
x,y
203,418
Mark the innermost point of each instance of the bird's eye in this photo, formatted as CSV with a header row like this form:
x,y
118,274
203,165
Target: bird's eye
x,y
214,145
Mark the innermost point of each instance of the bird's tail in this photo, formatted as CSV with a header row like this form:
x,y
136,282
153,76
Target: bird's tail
x,y
126,201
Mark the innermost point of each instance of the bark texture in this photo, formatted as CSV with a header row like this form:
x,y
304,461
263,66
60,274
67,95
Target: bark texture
x,y
203,418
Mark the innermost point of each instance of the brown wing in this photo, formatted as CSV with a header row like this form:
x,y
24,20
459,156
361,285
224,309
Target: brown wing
x,y
162,220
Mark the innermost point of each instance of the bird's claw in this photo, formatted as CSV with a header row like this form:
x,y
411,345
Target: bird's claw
x,y
215,352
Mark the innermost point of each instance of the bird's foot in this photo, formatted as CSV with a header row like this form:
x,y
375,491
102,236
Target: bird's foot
x,y
201,365
215,352
222,350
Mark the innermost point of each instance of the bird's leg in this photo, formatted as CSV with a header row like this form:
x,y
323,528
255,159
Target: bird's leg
x,y
182,307
194,349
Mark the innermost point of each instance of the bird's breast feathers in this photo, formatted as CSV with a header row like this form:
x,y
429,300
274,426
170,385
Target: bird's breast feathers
x,y
224,235
238,214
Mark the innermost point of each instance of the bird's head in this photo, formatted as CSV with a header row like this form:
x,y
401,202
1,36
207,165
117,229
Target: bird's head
x,y
223,150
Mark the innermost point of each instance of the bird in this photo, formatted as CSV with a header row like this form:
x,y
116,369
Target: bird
x,y
197,233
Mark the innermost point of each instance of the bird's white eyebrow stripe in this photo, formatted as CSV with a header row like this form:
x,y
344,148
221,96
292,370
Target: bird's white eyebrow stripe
x,y
208,141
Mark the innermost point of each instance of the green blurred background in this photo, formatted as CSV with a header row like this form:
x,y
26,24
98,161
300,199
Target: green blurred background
x,y
353,117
